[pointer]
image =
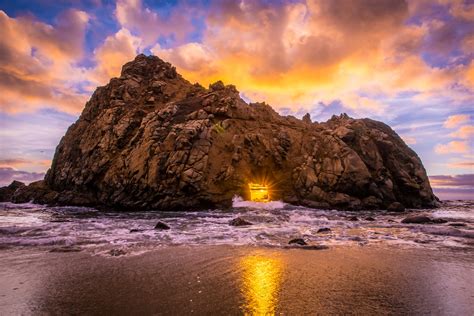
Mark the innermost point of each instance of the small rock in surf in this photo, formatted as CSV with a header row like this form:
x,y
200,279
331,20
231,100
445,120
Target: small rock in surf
x,y
162,226
298,241
324,230
239,222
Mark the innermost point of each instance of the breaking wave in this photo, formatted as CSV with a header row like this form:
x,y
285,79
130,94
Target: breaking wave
x,y
273,225
239,202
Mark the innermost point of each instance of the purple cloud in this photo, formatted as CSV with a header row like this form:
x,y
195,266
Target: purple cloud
x,y
453,187
7,175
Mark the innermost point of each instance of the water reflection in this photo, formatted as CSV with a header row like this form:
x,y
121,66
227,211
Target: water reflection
x,y
261,278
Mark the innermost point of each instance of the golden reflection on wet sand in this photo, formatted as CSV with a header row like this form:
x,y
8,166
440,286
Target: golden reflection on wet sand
x,y
261,278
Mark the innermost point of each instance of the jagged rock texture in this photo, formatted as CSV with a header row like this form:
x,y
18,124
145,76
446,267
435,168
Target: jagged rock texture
x,y
151,140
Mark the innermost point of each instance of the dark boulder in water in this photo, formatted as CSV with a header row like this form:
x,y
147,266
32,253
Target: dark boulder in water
x,y
457,224
298,241
152,140
162,226
324,230
239,222
417,219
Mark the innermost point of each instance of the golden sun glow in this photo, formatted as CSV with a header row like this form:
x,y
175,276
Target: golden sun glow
x,y
261,280
259,192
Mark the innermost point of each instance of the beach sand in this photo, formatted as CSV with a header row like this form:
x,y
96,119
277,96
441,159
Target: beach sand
x,y
236,280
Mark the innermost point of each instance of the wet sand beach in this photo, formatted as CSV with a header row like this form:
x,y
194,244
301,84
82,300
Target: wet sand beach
x,y
236,280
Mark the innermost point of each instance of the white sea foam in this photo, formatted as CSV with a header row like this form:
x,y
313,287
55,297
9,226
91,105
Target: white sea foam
x,y
239,202
274,224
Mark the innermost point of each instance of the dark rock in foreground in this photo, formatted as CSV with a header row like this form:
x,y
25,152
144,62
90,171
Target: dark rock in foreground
x,y
324,230
418,219
161,226
298,241
152,140
239,222
423,219
457,224
396,207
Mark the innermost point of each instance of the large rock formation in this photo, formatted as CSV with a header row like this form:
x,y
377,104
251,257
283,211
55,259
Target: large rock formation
x,y
152,140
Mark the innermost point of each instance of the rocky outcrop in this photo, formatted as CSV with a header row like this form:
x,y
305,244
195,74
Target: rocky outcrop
x,y
6,193
151,140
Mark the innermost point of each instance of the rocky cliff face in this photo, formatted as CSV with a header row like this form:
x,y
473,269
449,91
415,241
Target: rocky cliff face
x,y
152,140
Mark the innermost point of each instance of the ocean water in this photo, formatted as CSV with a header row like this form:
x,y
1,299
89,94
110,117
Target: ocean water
x,y
23,226
73,260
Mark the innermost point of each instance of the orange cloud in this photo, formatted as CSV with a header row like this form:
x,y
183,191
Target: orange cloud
x,y
37,62
19,162
456,120
462,9
408,139
8,175
299,54
295,55
462,165
453,147
116,50
464,132
131,14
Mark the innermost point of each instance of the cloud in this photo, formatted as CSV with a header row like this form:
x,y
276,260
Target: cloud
x,y
150,25
453,187
462,180
456,120
7,175
116,50
454,193
28,141
17,162
462,164
410,140
37,62
464,132
462,9
190,56
298,55
453,147
291,54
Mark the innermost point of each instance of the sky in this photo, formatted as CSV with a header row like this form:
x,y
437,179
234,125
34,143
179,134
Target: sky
x,y
406,63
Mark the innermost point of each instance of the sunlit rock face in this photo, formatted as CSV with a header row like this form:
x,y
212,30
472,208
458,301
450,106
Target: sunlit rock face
x,y
152,140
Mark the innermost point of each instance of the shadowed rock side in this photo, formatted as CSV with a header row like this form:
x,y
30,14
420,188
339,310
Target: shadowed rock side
x,y
151,140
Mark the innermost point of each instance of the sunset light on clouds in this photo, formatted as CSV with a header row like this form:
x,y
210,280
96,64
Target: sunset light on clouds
x,y
406,63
